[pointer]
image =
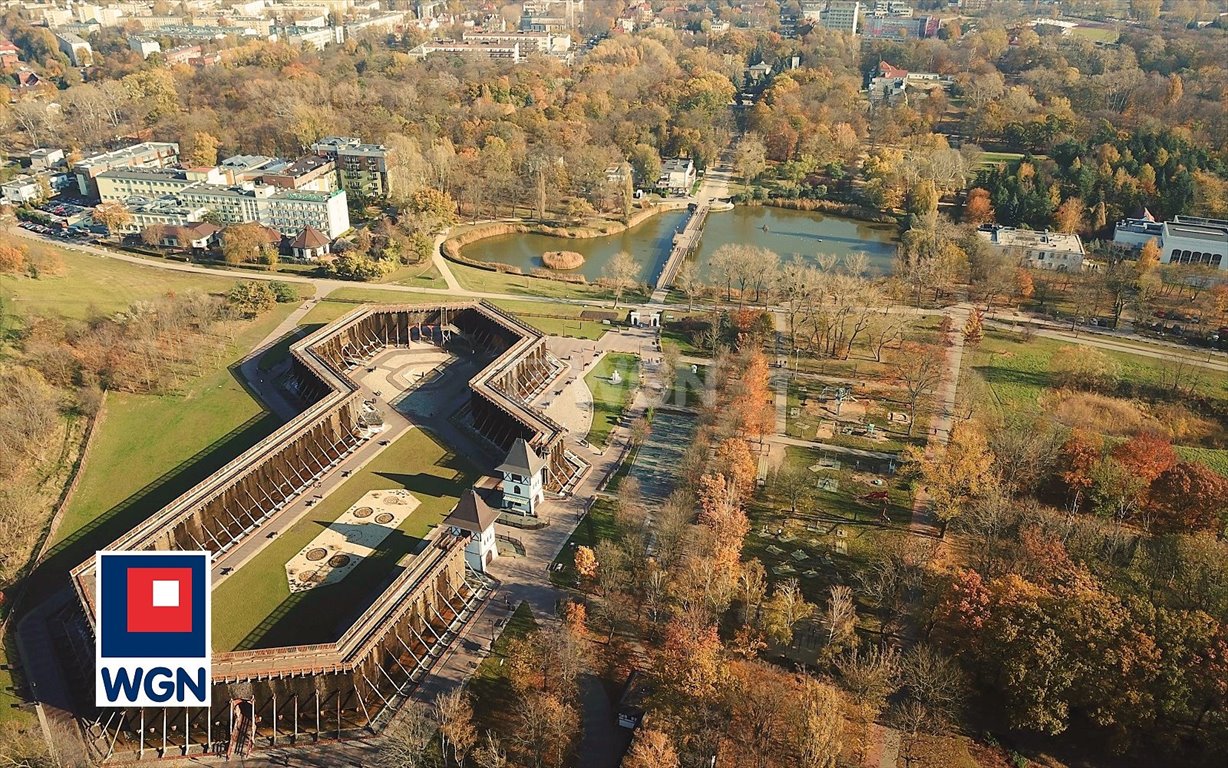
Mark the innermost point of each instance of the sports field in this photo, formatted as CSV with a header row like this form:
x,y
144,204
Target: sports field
x,y
254,608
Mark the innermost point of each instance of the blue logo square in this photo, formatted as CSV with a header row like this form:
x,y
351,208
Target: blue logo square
x,y
153,605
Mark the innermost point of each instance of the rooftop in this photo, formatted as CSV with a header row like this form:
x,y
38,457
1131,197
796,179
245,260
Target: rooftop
x,y
472,513
1008,237
521,460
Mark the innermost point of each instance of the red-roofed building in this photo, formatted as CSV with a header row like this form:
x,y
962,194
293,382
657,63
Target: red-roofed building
x,y
10,55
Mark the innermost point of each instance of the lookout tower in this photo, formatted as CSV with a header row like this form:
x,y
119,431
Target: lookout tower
x,y
523,478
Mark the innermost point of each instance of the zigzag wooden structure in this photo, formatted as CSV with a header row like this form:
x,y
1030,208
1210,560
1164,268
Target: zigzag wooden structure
x,y
286,694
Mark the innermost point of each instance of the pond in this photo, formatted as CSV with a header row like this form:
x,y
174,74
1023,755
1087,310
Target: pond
x,y
648,242
784,231
807,233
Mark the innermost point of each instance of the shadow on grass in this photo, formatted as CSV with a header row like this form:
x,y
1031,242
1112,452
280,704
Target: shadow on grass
x,y
51,574
322,614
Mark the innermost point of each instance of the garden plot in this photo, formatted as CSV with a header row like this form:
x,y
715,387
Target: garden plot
x,y
342,545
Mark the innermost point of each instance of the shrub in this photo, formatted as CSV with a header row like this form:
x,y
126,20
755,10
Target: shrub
x,y
284,293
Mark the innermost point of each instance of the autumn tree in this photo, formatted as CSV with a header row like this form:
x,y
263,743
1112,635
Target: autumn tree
x,y
978,208
112,215
1070,215
955,474
586,563
408,739
252,298
784,610
620,273
651,749
244,243
1086,368
1189,496
12,259
840,618
454,713
202,152
974,329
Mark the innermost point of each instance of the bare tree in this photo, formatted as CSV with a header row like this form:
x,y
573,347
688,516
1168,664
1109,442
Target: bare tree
x,y
919,370
620,274
454,713
406,741
840,617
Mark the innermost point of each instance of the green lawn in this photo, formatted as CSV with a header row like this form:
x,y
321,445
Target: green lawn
x,y
254,607
598,524
610,399
424,275
1216,459
94,284
1096,34
1016,373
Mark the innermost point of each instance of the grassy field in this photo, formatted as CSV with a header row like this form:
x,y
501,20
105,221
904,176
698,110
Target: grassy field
x,y
1096,34
1216,459
1016,373
142,438
610,399
254,607
424,275
486,281
92,284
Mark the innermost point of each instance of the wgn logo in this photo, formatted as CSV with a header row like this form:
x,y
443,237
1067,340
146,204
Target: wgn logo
x,y
153,629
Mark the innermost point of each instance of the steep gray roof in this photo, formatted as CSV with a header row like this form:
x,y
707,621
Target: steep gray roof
x,y
521,460
471,513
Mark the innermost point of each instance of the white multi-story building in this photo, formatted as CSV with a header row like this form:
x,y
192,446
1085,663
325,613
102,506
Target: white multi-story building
x,y
1182,240
150,154
493,51
530,42
677,176
182,196
78,51
841,16
1057,251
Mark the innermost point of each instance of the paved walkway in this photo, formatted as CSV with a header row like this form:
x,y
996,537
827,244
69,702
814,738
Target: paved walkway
x,y
923,522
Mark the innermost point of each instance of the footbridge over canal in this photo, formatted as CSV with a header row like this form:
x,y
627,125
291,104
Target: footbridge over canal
x,y
684,243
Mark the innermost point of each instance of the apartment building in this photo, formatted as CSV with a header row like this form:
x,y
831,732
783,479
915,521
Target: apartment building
x,y
841,16
78,51
149,154
362,169
493,51
529,42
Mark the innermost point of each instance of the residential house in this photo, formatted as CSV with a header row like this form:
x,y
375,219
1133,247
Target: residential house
x,y
10,55
677,176
197,236
144,46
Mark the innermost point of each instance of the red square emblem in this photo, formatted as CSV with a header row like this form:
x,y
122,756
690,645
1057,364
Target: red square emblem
x,y
159,599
